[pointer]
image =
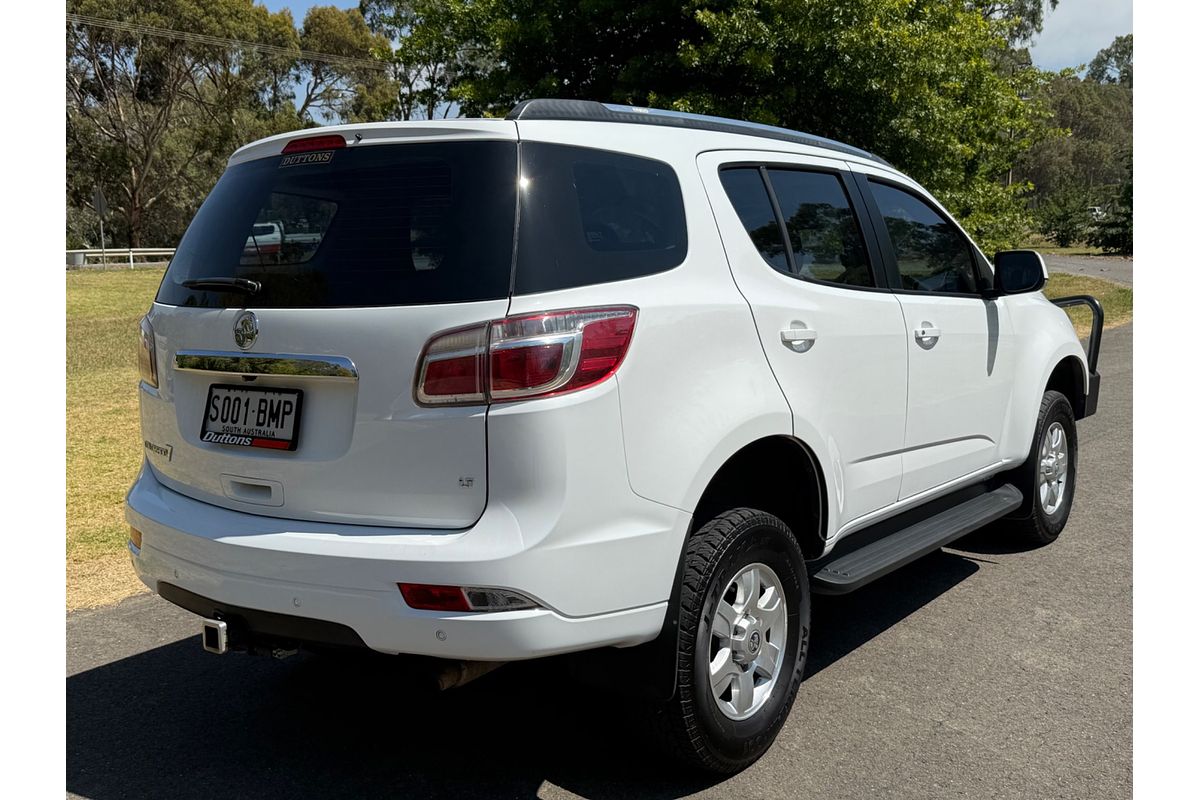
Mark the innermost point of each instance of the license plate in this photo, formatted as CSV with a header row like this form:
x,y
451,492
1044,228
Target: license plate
x,y
241,417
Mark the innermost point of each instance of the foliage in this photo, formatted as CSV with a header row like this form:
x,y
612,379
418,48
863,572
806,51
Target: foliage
x,y
151,120
425,45
335,90
1096,122
940,88
1114,64
914,82
1022,18
1114,233
1063,217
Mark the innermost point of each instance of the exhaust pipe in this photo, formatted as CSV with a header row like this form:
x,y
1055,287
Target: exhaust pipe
x,y
453,674
214,635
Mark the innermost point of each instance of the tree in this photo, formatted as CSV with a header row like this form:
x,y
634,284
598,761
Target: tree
x,y
333,88
1022,19
1114,233
914,82
1114,64
424,43
152,118
1063,217
1096,121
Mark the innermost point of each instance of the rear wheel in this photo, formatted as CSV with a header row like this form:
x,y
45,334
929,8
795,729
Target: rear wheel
x,y
1047,478
743,638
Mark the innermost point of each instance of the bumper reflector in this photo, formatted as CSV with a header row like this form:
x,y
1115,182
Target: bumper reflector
x,y
430,597
135,536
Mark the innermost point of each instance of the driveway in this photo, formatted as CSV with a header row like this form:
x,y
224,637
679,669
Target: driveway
x,y
984,670
1113,268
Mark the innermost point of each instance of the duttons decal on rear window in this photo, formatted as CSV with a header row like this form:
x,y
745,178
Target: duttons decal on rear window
x,y
297,159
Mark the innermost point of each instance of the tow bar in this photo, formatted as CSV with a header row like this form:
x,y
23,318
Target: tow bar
x,y
214,636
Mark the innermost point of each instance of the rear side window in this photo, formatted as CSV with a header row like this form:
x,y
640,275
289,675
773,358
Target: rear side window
x,y
373,225
931,254
592,216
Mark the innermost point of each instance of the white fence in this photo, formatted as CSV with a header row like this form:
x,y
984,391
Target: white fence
x,y
77,259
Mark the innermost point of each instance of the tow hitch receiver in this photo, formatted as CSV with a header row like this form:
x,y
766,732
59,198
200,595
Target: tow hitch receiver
x,y
215,635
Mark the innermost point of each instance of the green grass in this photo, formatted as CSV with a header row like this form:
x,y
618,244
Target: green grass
x,y
1048,248
1116,299
103,446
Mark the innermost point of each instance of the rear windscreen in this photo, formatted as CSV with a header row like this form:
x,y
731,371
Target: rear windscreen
x,y
365,226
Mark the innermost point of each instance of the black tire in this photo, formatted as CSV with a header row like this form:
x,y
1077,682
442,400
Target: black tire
x,y
1037,526
692,726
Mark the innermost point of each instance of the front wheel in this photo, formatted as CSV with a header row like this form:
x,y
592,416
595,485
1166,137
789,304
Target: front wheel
x,y
1047,478
743,638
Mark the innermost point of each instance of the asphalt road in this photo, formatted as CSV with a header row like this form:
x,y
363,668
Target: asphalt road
x,y
1110,268
980,671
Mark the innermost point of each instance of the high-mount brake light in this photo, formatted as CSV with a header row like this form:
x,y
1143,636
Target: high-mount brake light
x,y
309,144
526,356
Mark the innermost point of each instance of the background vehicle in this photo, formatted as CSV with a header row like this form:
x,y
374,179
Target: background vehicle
x,y
523,397
271,242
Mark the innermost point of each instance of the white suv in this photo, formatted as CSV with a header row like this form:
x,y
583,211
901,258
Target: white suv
x,y
586,377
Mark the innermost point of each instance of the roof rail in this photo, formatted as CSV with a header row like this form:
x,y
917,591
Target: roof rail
x,y
592,111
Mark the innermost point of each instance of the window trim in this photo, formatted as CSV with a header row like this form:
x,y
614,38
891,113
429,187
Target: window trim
x,y
891,265
858,208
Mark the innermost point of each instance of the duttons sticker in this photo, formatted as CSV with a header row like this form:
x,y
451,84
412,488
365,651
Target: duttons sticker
x,y
163,450
299,159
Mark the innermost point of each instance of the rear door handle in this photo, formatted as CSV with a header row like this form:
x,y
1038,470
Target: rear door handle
x,y
927,335
798,339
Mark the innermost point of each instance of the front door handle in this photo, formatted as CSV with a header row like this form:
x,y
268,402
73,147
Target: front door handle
x,y
799,339
927,335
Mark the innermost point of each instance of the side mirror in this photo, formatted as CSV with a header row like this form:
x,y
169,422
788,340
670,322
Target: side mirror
x,y
1019,271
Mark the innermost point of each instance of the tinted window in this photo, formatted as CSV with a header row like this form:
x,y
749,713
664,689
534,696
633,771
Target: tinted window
x,y
591,216
368,226
827,244
931,254
748,193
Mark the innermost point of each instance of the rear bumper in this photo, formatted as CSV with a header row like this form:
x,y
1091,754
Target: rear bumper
x,y
607,585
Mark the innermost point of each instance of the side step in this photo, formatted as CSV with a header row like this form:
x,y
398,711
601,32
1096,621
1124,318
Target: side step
x,y
845,573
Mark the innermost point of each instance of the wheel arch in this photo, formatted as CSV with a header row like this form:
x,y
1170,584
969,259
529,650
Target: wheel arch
x,y
778,474
1069,377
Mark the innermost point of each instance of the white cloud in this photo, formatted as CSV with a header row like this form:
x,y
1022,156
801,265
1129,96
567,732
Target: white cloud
x,y
1072,33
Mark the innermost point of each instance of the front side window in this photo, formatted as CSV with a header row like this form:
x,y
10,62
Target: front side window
x,y
823,240
827,243
931,254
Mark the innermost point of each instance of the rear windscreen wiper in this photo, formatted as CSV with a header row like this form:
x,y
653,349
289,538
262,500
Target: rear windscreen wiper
x,y
244,285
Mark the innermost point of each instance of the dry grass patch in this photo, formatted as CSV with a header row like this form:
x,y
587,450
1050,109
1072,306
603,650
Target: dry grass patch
x,y
103,443
1116,299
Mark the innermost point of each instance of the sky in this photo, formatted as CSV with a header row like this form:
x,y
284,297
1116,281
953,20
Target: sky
x,y
1072,33
1070,36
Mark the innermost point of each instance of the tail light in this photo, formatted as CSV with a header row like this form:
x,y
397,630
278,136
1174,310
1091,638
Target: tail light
x,y
517,358
147,357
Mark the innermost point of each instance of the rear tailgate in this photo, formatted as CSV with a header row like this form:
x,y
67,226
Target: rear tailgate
x,y
383,246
